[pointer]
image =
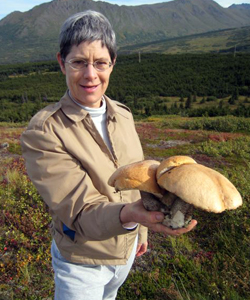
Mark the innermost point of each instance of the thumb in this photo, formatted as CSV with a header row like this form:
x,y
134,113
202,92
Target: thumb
x,y
158,216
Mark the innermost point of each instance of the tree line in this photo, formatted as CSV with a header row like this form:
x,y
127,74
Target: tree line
x,y
143,84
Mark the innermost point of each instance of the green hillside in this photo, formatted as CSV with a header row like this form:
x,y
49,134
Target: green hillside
x,y
228,40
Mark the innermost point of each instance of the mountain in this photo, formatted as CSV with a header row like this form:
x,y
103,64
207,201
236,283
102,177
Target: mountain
x,y
240,9
33,35
242,6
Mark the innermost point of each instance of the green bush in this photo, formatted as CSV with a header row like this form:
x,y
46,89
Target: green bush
x,y
223,124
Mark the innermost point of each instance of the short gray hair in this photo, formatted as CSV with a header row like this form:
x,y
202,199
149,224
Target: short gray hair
x,y
86,26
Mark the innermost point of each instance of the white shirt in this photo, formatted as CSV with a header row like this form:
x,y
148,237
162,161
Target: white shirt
x,y
99,117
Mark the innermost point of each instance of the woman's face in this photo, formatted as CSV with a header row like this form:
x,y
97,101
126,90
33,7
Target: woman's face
x,y
87,85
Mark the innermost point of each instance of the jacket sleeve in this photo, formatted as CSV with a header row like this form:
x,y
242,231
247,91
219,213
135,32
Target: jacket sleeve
x,y
142,234
67,189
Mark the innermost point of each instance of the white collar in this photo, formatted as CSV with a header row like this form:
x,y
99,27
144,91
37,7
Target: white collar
x,y
94,112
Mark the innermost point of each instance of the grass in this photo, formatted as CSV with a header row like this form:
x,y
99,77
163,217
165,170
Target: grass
x,y
211,262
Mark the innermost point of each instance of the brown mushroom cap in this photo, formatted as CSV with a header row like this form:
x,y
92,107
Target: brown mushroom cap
x,y
173,161
201,186
140,175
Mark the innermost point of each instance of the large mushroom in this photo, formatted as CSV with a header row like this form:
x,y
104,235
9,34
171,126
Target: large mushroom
x,y
176,186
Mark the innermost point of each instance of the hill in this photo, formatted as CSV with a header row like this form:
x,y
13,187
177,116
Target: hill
x,y
221,41
33,35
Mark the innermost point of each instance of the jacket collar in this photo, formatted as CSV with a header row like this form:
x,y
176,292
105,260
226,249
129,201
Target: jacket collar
x,y
77,114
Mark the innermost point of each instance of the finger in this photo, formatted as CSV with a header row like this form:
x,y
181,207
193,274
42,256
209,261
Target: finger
x,y
146,217
142,250
162,229
191,226
138,248
140,253
173,232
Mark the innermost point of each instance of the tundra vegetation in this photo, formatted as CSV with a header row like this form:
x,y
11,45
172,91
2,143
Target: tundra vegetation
x,y
212,261
187,85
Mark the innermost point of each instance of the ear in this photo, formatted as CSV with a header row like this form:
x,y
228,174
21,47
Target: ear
x,y
113,64
114,61
61,63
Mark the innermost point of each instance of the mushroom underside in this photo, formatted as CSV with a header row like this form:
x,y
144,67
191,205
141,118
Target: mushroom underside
x,y
177,213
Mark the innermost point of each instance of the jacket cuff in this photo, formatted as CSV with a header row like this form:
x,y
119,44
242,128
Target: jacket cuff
x,y
111,220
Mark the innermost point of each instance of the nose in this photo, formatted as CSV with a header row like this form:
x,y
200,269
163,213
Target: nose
x,y
89,72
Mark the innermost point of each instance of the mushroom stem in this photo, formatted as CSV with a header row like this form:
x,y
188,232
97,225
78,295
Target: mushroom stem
x,y
168,199
180,205
180,214
177,212
152,203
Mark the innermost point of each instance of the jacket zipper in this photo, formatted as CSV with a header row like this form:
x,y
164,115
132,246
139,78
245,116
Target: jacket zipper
x,y
115,160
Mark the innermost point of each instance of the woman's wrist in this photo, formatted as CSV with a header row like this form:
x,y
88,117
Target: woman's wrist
x,y
126,222
125,217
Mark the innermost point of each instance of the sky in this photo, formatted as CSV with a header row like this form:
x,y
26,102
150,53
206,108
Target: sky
x,y
6,6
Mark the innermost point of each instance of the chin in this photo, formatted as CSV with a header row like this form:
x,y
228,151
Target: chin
x,y
93,102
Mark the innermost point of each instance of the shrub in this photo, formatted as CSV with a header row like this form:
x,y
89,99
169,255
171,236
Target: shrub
x,y
24,237
223,124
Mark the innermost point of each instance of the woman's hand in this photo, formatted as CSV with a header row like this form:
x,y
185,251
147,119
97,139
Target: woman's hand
x,y
141,249
135,212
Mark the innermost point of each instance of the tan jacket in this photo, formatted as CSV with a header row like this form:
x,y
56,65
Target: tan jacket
x,y
69,163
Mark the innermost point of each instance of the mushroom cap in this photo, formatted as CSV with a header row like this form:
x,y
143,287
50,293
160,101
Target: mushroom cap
x,y
202,187
173,161
140,176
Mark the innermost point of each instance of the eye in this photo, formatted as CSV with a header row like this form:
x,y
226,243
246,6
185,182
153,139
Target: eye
x,y
101,63
78,63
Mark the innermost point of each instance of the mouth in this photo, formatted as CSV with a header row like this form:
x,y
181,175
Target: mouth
x,y
89,88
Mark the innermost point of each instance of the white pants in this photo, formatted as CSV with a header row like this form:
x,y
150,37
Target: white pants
x,y
87,282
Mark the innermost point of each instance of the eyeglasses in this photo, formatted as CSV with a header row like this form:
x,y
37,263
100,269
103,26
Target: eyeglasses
x,y
80,64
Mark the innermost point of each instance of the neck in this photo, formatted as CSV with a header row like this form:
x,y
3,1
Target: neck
x,y
84,106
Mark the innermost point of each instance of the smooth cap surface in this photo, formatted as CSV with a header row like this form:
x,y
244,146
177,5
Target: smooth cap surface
x,y
140,175
202,187
173,161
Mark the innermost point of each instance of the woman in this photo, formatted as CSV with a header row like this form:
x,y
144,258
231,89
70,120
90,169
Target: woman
x,y
71,149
